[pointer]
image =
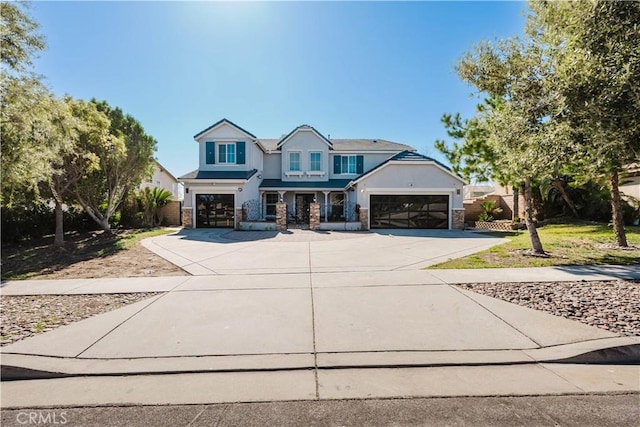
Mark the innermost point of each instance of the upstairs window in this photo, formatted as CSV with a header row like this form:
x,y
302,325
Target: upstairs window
x,y
227,153
294,161
352,164
316,161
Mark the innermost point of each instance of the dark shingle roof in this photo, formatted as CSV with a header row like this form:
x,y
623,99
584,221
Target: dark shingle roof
x,y
331,184
350,145
197,174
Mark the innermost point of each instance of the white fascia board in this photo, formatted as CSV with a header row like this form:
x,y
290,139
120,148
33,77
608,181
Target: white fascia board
x,y
394,152
213,181
199,136
401,190
281,143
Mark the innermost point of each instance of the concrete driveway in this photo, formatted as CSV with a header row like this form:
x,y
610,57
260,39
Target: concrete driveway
x,y
223,251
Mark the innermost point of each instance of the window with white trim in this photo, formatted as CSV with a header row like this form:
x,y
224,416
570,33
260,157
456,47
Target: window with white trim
x,y
315,161
294,161
227,153
348,164
272,199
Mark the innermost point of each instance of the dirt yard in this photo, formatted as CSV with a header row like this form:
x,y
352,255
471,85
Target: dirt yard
x,y
86,255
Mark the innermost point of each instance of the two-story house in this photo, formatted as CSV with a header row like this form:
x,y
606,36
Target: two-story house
x,y
368,182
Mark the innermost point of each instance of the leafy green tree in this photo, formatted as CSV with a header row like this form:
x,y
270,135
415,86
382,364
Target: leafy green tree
x,y
124,159
27,109
594,49
80,125
154,199
470,156
518,129
19,37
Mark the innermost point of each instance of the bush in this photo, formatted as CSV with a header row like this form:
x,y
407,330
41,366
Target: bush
x,y
38,220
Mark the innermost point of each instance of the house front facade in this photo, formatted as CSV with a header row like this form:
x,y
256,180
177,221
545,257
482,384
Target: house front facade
x,y
356,183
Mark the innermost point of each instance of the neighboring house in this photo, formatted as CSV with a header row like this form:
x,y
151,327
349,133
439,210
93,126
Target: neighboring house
x,y
630,181
162,178
367,182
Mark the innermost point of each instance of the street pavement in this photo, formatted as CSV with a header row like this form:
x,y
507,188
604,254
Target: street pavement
x,y
617,410
314,335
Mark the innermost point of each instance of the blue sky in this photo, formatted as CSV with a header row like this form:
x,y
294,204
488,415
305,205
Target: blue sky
x,y
350,69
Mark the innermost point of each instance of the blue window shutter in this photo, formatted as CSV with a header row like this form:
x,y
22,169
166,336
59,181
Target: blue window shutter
x,y
240,152
337,163
211,153
359,164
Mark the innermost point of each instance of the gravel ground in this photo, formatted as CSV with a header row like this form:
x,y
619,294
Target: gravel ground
x,y
25,316
610,305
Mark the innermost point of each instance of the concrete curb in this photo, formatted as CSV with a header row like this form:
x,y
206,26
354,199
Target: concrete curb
x,y
618,351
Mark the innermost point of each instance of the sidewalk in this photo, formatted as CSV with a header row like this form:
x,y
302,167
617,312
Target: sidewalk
x,y
330,279
226,338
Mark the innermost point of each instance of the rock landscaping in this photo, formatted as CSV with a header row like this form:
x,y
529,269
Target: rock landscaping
x,y
25,316
610,305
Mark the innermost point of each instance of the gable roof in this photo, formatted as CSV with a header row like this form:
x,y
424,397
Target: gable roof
x,y
358,144
228,122
303,127
163,169
408,157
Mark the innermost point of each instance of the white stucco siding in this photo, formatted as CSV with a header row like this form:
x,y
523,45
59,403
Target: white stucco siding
x,y
228,134
631,186
223,131
305,142
272,166
410,179
162,179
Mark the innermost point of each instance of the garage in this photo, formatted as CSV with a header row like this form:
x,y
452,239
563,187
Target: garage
x,y
214,210
410,211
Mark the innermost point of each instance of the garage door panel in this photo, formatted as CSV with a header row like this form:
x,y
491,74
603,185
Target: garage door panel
x,y
409,211
214,210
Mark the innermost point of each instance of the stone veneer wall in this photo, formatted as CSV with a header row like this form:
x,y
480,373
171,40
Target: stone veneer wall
x,y
457,221
364,218
314,216
187,217
239,216
281,216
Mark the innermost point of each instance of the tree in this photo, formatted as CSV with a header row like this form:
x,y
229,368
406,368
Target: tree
x,y
19,37
594,49
152,201
124,159
79,125
471,156
517,126
26,108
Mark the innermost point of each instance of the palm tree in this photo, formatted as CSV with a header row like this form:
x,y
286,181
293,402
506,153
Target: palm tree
x,y
152,201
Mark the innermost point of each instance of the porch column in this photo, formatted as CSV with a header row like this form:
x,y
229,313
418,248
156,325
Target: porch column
x,y
344,205
263,208
326,205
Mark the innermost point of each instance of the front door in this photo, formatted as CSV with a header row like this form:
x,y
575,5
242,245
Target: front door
x,y
302,207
